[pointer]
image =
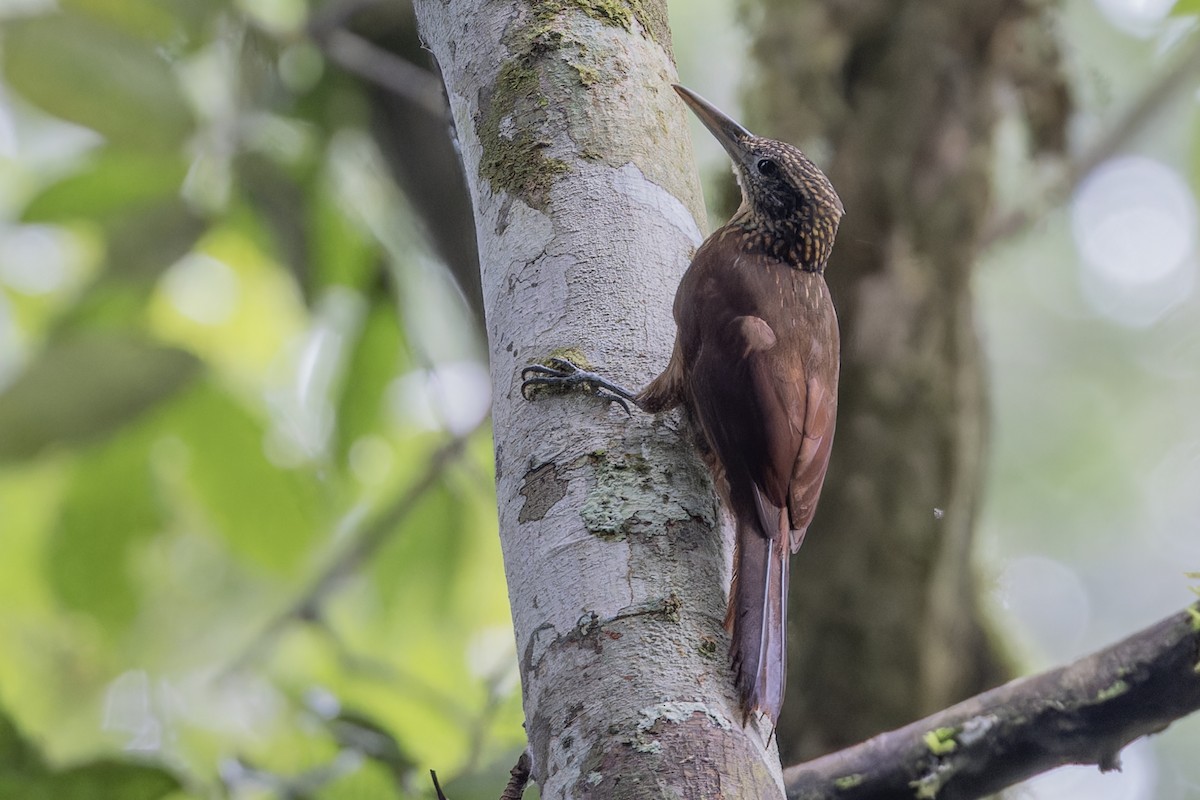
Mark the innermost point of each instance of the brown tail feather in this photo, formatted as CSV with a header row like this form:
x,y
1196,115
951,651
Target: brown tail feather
x,y
757,615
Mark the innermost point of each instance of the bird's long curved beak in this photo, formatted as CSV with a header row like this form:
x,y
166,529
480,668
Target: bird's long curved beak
x,y
730,134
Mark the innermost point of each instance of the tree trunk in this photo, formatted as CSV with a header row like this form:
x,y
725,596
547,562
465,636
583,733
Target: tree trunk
x,y
897,99
587,210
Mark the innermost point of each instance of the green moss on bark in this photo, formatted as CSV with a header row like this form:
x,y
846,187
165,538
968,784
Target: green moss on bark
x,y
848,782
549,59
651,15
514,158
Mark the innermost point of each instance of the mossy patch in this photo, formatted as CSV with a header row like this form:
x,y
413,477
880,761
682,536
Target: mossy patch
x,y
572,354
928,785
940,741
846,782
588,76
651,15
514,158
1118,688
514,110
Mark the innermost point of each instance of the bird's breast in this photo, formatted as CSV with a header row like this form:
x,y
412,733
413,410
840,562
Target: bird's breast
x,y
730,278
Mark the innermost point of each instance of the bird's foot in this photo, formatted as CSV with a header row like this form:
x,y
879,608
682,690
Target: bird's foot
x,y
559,373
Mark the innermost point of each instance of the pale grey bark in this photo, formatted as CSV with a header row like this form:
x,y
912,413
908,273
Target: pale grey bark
x,y
587,210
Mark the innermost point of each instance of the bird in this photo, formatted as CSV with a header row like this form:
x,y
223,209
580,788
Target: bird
x,y
755,364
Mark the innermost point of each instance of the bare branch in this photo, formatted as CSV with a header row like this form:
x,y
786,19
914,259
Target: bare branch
x,y
437,786
1149,104
388,70
1083,713
333,15
519,778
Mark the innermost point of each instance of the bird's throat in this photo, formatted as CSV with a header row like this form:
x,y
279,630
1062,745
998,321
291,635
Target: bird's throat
x,y
799,242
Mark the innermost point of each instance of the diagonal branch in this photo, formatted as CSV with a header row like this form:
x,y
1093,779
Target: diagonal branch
x,y
306,605
1083,713
376,65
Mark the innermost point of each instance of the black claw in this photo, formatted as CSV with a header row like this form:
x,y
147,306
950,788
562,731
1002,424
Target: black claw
x,y
612,398
562,373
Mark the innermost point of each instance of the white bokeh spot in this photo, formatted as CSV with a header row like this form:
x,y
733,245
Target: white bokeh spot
x,y
455,396
1139,17
1134,224
1029,586
202,289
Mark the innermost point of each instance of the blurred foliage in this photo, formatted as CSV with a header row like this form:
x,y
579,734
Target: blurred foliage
x,y
26,775
225,355
209,390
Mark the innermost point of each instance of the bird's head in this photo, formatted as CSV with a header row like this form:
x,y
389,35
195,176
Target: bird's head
x,y
785,196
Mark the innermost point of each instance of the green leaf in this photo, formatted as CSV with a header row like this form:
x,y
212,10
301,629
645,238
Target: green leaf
x,y
105,304
16,754
342,254
108,780
110,504
143,244
99,780
417,568
85,386
1184,8
25,775
278,200
267,513
370,780
373,364
83,71
113,181
150,19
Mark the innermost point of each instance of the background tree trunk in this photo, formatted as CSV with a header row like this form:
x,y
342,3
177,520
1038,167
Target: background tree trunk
x,y
586,207
897,100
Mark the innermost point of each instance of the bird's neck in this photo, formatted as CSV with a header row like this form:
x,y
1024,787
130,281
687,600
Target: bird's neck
x,y
798,241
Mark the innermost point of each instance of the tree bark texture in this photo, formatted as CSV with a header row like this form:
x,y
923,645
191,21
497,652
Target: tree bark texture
x,y
586,210
897,98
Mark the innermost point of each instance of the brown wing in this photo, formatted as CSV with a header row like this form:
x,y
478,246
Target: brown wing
x,y
779,397
750,403
813,460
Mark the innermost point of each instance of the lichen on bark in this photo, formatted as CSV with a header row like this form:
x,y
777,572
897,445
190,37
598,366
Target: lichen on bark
x,y
628,496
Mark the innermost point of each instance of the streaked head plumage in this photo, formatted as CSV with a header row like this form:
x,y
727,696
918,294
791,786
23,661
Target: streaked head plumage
x,y
785,196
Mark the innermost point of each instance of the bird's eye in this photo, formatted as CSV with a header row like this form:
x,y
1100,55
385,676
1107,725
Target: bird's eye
x,y
767,167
